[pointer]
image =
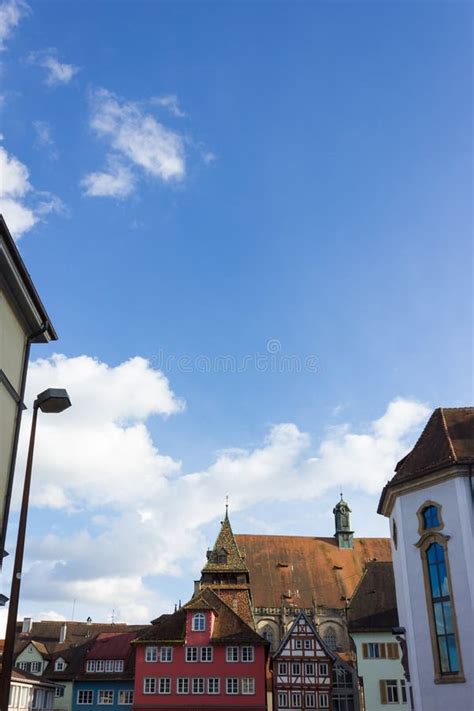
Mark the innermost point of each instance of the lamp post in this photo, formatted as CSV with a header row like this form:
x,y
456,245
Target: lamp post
x,y
51,400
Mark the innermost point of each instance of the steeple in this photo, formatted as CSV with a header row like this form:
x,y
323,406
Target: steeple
x,y
343,534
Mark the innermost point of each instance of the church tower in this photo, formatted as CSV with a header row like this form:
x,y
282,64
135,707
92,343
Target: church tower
x,y
342,515
227,574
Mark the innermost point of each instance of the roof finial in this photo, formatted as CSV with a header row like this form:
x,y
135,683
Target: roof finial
x,y
341,495
227,506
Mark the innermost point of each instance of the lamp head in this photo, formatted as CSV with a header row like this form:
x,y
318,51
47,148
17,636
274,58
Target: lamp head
x,y
53,400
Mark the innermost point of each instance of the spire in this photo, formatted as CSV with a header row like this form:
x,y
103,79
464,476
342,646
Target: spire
x,y
342,517
225,556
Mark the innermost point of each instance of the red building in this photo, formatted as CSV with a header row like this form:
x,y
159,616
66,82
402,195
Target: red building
x,y
204,656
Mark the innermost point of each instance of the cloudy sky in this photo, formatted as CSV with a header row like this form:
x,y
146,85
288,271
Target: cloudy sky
x,y
250,225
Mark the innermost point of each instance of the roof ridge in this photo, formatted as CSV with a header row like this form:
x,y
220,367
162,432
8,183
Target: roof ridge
x,y
446,432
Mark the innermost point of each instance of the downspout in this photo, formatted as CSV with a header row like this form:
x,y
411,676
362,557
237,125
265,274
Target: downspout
x,y
20,407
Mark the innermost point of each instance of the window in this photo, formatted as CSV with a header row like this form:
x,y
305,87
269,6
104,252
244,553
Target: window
x,y
231,685
59,665
149,685
430,517
198,686
99,665
106,697
164,685
151,654
232,654
118,666
125,698
206,654
247,654
308,644
166,654
323,670
298,644
85,696
296,669
248,685
310,701
330,638
182,685
283,668
213,685
222,557
90,666
59,692
199,622
191,654
109,665
442,609
282,698
395,533
392,650
403,691
324,701
267,633
374,650
36,667
295,699
309,669
392,691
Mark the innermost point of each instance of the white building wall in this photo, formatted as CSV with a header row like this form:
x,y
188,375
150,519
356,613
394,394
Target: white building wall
x,y
373,671
454,496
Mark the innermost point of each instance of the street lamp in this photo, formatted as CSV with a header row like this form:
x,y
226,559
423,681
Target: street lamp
x,y
51,400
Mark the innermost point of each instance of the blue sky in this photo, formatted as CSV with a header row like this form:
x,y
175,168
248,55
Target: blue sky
x,y
293,177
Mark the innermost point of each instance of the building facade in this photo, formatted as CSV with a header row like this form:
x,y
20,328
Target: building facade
x,y
30,693
430,505
302,669
372,615
203,656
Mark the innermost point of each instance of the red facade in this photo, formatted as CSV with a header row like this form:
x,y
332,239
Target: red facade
x,y
204,656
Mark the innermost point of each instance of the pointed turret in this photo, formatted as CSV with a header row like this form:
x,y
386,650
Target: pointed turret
x,y
343,533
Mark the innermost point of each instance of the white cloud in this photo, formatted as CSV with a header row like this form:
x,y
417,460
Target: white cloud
x,y
44,138
137,513
21,205
118,181
11,12
135,137
170,102
57,72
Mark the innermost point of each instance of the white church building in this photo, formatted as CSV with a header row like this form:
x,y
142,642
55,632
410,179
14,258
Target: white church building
x,y
429,502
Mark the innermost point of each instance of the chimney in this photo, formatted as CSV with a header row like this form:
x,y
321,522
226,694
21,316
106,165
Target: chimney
x,y
27,625
62,633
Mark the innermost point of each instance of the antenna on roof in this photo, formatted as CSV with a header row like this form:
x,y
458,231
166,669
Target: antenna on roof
x,y
227,506
112,616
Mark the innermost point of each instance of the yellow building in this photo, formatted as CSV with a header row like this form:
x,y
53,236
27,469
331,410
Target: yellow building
x,y
23,321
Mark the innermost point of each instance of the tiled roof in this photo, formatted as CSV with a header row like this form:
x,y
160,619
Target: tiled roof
x,y
373,607
228,626
225,542
301,570
111,645
447,439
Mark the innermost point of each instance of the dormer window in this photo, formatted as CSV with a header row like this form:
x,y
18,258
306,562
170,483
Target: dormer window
x,y
222,557
199,622
59,665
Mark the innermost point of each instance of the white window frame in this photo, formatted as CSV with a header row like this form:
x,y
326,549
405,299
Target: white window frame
x,y
118,666
309,668
151,654
206,652
198,685
283,668
191,655
375,648
283,698
248,686
36,667
59,692
232,654
149,685
310,699
293,666
232,686
125,697
59,665
323,700
323,669
295,697
183,682
164,685
199,622
403,691
298,644
90,665
213,685
103,694
166,654
100,665
247,654
83,692
109,665
391,687
308,644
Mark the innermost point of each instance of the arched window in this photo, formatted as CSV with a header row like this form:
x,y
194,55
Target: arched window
x,y
330,638
267,633
442,607
430,517
395,533
199,622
